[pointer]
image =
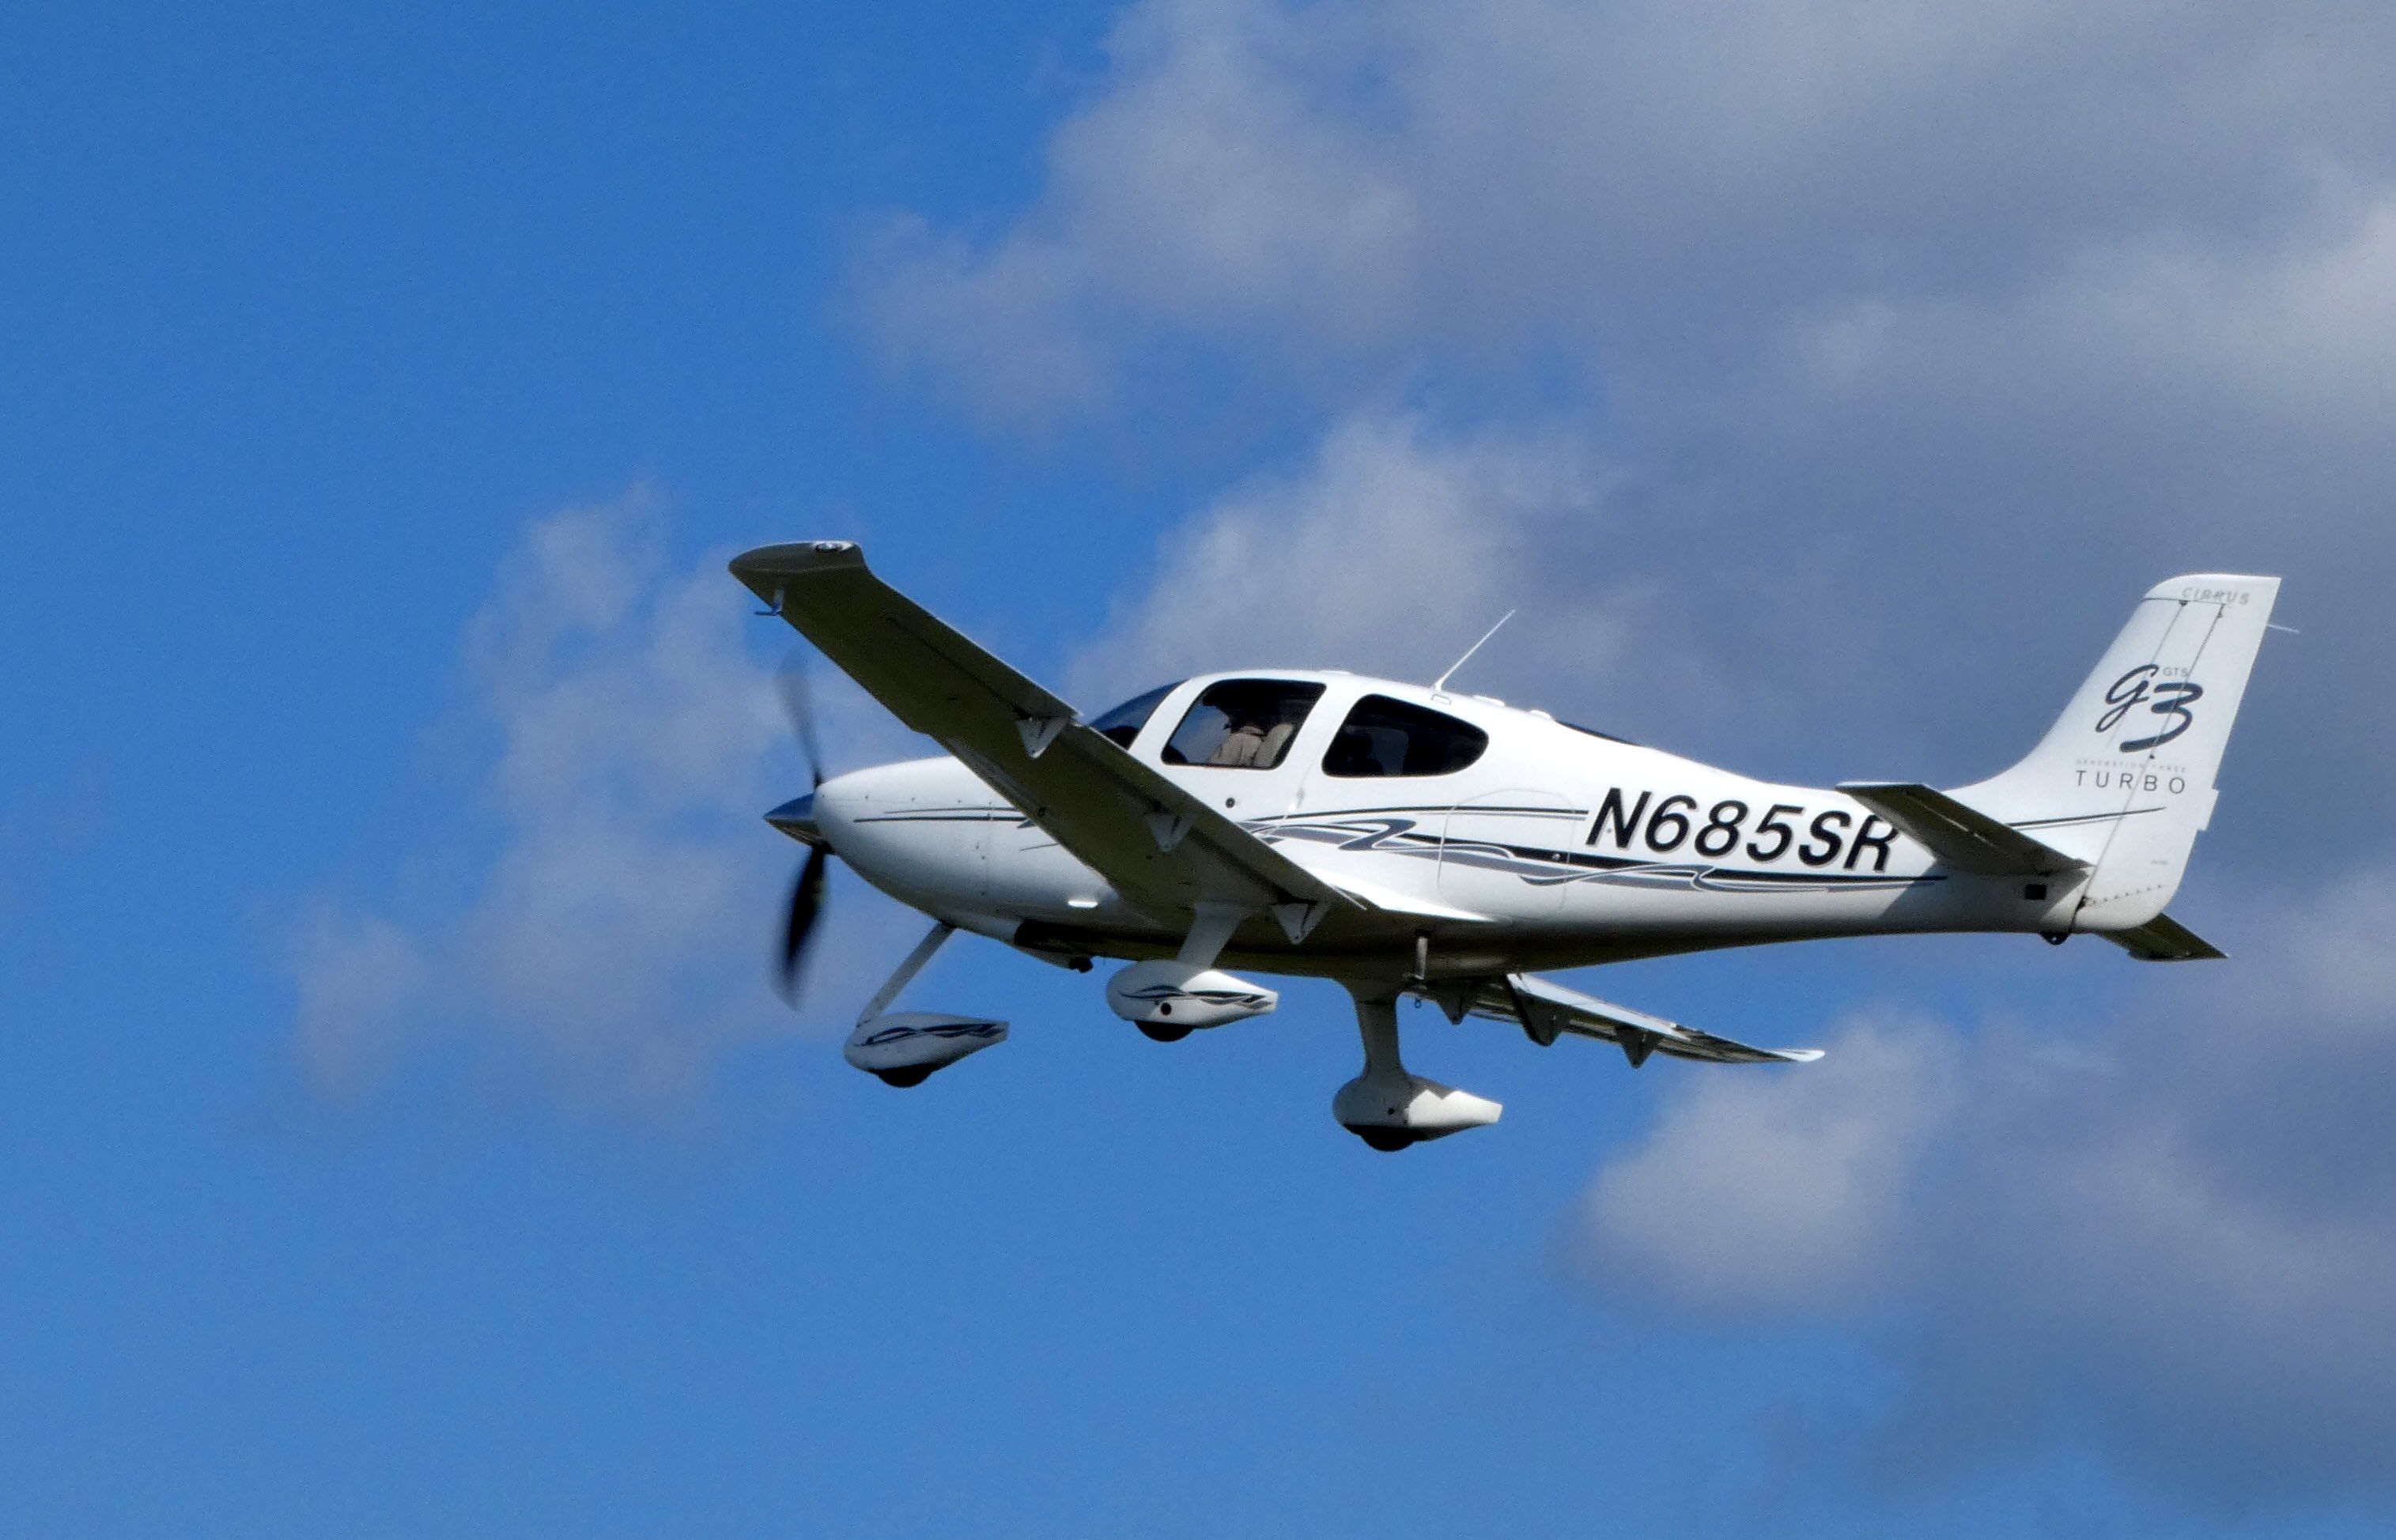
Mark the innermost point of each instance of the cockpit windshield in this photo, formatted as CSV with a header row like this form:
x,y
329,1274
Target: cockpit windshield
x,y
1241,724
1124,722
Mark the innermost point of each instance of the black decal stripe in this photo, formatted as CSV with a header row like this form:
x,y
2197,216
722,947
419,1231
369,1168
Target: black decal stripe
x,y
1540,867
1475,809
1544,867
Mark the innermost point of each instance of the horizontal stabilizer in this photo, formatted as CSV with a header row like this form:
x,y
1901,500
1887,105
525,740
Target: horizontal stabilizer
x,y
1961,837
1546,1010
2163,939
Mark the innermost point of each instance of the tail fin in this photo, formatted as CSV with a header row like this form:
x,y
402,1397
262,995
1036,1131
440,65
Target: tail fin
x,y
2124,780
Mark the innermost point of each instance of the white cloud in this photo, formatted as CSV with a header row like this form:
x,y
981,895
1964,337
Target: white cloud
x,y
2173,1231
356,975
1000,330
1649,182
1388,551
2146,334
1761,1192
615,935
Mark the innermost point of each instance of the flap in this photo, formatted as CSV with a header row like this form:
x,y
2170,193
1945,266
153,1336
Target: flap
x,y
1545,1009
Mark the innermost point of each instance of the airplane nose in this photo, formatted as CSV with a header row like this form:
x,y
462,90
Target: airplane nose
x,y
797,818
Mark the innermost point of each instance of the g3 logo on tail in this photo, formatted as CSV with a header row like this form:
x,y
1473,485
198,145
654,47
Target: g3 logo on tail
x,y
2170,699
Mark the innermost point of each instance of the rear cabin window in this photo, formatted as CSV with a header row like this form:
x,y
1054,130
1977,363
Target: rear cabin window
x,y
1124,722
1241,724
1388,738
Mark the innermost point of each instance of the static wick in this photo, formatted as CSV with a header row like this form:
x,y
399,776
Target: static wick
x,y
1441,682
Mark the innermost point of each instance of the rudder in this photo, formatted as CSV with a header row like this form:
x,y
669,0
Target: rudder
x,y
2125,778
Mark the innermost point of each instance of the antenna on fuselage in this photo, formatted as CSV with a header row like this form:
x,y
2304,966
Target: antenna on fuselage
x,y
1441,682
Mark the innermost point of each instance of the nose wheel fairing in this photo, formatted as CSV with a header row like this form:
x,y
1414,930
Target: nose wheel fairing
x,y
903,1048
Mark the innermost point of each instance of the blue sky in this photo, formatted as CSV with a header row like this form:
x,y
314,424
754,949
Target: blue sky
x,y
402,1138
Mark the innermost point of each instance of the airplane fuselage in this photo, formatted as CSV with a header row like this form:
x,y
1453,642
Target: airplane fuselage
x,y
1412,842
1555,847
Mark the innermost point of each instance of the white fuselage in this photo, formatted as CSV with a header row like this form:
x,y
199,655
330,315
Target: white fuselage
x,y
1554,848
1412,843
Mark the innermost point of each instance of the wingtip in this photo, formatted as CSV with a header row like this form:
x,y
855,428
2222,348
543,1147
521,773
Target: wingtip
x,y
796,559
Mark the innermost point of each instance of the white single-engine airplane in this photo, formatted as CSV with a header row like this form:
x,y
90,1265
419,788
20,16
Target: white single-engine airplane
x,y
1406,841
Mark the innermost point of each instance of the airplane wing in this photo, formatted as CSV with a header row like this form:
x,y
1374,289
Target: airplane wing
x,y
1546,1010
1161,847
2163,939
1961,837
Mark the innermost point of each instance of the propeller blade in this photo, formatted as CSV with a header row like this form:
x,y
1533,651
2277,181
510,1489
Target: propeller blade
x,y
798,704
807,905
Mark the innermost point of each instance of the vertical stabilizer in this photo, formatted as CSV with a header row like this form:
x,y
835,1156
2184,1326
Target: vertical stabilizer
x,y
2124,780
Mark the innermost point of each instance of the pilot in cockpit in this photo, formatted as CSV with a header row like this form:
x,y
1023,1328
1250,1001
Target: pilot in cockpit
x,y
1243,745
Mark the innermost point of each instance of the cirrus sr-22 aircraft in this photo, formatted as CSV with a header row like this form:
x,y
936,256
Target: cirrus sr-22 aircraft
x,y
1409,842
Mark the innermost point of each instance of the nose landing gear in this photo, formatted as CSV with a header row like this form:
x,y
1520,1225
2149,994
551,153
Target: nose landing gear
x,y
902,1048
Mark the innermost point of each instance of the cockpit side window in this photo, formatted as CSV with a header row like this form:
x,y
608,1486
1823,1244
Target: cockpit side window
x,y
1388,738
1241,724
1124,722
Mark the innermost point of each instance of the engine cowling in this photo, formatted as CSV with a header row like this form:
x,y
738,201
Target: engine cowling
x,y
1169,999
904,1048
1391,1110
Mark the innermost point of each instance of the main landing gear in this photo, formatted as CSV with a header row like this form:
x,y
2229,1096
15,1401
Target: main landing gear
x,y
1386,1107
1169,999
1389,1108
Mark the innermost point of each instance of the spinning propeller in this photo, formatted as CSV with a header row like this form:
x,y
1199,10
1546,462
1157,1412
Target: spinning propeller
x,y
796,818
